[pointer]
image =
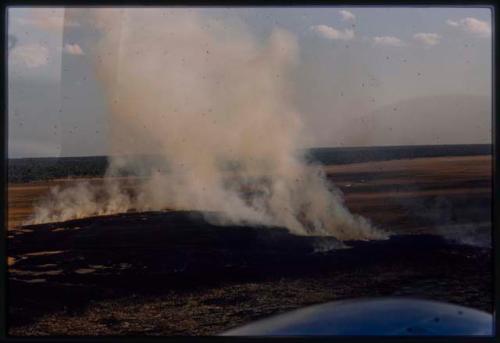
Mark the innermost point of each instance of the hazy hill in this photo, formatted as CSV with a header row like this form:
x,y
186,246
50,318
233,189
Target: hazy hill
x,y
425,120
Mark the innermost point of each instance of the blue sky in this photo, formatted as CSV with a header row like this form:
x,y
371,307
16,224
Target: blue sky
x,y
365,76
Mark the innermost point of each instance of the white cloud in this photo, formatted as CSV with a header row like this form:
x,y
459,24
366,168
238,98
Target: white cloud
x,y
73,49
47,19
347,15
428,39
476,26
29,55
388,41
332,33
472,25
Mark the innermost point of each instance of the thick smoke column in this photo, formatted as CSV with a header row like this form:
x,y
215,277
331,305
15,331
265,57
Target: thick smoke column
x,y
212,105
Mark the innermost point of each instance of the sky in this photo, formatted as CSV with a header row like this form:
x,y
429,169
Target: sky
x,y
365,76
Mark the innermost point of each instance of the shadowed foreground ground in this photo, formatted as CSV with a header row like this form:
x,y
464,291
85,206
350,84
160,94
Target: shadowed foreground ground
x,y
173,273
164,273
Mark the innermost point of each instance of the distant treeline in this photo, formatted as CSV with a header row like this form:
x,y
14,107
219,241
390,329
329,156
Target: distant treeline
x,y
32,169
383,153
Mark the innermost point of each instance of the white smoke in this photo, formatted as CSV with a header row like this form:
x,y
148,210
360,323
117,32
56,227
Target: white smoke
x,y
213,103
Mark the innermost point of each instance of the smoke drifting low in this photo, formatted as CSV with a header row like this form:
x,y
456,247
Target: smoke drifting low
x,y
212,104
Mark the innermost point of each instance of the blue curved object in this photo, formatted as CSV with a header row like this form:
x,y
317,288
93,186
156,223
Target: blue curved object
x,y
374,317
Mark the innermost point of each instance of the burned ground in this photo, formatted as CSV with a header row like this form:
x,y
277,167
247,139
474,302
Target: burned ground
x,y
163,273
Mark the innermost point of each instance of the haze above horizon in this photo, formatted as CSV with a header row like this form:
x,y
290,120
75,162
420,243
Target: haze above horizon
x,y
364,76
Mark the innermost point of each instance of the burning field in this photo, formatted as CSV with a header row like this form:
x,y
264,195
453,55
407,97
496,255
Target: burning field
x,y
210,211
174,272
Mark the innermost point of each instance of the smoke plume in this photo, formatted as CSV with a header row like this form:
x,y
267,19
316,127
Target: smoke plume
x,y
211,104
